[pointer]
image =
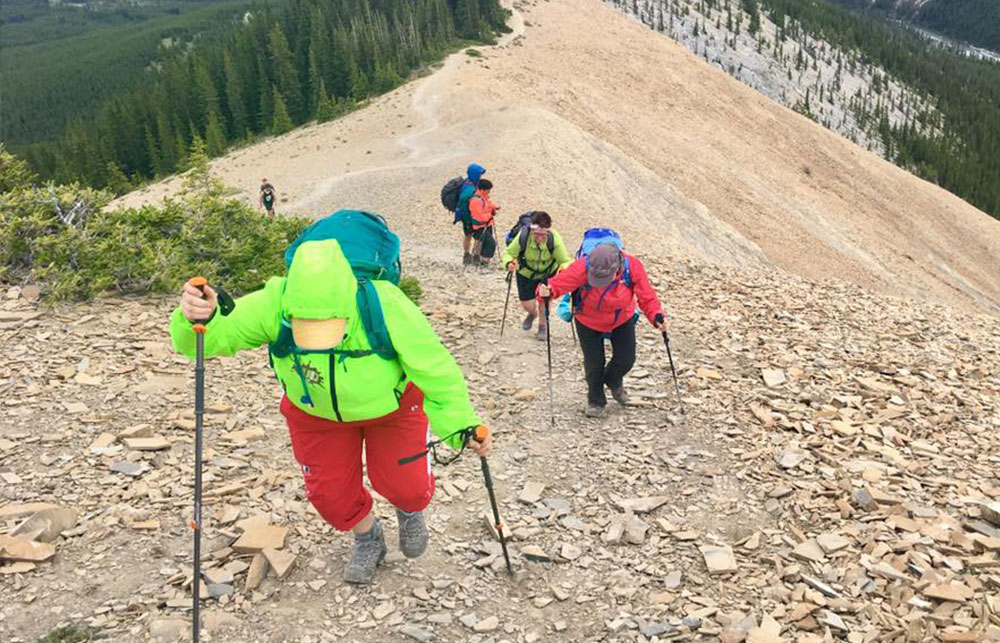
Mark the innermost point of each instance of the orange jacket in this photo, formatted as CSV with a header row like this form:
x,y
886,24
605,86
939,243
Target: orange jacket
x,y
482,210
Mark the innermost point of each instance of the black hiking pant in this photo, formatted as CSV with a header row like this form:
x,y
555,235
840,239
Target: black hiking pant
x,y
598,373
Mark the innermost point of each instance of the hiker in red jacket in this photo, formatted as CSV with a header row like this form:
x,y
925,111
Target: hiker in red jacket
x,y
605,286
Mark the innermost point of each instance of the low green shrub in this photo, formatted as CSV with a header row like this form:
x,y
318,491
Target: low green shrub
x,y
67,634
64,239
411,288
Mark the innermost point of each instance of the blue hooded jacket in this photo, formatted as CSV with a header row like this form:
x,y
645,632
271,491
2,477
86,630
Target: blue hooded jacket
x,y
472,173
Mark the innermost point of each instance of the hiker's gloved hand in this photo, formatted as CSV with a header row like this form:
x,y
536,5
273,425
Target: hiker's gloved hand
x,y
661,323
198,306
544,291
482,448
512,266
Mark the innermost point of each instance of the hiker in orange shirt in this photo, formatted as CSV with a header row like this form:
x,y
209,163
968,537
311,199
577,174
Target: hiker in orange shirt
x,y
482,211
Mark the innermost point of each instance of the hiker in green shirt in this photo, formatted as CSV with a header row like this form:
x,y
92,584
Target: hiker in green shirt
x,y
340,396
535,252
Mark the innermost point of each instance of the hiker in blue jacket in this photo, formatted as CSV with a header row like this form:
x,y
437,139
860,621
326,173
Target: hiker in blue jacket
x,y
472,175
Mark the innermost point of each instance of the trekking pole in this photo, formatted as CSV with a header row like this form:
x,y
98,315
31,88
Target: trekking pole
x,y
548,348
199,411
510,280
677,388
480,436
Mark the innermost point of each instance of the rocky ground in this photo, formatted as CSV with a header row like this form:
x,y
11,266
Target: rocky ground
x,y
832,473
829,79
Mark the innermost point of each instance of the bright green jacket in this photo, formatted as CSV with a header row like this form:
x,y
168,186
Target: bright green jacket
x,y
341,388
538,261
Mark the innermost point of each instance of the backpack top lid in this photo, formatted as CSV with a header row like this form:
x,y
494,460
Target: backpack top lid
x,y
372,250
368,244
594,237
522,221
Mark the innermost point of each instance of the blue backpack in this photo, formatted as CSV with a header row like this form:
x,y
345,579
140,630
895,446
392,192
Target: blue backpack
x,y
592,238
372,250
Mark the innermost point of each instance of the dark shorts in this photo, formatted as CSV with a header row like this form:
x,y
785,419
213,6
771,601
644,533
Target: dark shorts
x,y
268,204
526,287
478,234
467,225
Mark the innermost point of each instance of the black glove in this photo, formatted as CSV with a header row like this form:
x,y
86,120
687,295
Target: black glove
x,y
659,319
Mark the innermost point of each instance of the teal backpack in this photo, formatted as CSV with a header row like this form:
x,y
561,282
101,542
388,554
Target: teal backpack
x,y
372,249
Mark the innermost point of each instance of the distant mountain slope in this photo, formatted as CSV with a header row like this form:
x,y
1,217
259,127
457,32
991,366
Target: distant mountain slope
x,y
601,121
60,61
924,107
976,22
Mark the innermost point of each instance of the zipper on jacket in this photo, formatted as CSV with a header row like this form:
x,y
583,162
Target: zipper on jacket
x,y
333,387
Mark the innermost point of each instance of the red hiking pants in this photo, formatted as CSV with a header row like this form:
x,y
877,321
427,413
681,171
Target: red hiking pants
x,y
330,456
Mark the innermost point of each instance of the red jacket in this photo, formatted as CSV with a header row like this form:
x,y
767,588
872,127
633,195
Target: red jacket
x,y
606,310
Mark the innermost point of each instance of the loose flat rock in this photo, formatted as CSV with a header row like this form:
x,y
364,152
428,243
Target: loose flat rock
x,y
18,511
832,542
169,629
642,505
52,523
261,537
133,469
535,554
280,561
23,550
417,633
531,493
955,592
257,572
719,560
570,551
524,394
155,443
809,551
488,624
773,377
249,435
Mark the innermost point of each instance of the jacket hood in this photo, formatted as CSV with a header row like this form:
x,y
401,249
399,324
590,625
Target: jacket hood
x,y
475,172
320,283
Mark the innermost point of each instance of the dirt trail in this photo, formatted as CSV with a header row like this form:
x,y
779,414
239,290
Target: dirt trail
x,y
544,111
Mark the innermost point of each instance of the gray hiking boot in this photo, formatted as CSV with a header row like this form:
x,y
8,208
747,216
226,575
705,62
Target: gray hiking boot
x,y
528,321
467,259
543,333
620,395
369,550
412,533
594,411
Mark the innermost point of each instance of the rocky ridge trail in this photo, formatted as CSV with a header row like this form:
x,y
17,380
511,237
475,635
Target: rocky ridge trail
x,y
835,475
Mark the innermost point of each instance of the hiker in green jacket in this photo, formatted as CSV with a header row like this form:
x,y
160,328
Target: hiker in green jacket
x,y
340,396
535,252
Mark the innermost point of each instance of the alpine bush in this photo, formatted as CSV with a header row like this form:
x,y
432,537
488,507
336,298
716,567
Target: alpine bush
x,y
64,239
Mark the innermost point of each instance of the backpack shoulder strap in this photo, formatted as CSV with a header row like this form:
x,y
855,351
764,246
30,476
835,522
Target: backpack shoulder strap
x,y
370,309
626,273
522,240
550,241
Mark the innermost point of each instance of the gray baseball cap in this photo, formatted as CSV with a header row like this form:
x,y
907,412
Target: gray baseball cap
x,y
603,265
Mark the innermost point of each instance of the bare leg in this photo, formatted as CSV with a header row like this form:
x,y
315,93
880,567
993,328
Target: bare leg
x,y
467,243
365,524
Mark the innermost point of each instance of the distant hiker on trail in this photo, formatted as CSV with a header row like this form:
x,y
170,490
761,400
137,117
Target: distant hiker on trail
x,y
482,212
605,283
455,196
267,197
360,366
536,252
